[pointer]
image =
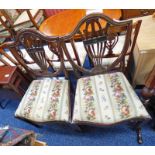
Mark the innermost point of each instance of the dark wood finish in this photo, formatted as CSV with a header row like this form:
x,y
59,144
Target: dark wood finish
x,y
33,42
131,13
11,77
93,33
134,35
99,40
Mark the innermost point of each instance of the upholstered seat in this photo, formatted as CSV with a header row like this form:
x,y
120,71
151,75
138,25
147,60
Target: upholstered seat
x,y
45,100
106,99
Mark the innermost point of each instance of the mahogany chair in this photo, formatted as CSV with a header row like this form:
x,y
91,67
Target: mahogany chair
x,y
103,94
19,19
47,98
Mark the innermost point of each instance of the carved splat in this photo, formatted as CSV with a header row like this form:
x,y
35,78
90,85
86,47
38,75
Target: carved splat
x,y
100,35
34,44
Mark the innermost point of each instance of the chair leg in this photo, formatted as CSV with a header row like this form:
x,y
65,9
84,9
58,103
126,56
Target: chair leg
x,y
139,133
136,126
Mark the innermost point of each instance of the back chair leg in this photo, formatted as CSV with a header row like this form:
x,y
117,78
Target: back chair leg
x,y
136,126
139,133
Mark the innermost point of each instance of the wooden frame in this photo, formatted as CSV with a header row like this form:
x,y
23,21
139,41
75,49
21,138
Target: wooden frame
x,y
92,33
107,31
33,41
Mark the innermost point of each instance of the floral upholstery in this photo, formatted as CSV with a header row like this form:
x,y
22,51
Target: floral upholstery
x,y
45,100
106,99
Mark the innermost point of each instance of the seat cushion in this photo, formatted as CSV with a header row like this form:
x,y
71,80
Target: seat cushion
x,y
106,99
45,100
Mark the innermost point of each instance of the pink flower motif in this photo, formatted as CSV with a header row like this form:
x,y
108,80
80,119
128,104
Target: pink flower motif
x,y
125,110
53,113
91,112
31,97
117,94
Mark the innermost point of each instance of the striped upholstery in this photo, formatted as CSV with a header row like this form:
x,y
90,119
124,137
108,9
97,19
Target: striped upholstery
x,y
106,99
45,100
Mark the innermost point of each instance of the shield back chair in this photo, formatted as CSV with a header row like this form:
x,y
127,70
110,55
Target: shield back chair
x,y
47,98
103,94
19,19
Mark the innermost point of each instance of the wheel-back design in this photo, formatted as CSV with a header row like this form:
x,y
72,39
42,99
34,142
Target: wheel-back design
x,y
100,35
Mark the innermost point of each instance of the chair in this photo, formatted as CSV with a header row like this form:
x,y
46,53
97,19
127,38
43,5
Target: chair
x,y
19,19
47,98
5,32
103,95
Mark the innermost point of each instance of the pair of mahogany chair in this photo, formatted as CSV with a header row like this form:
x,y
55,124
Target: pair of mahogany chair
x,y
103,95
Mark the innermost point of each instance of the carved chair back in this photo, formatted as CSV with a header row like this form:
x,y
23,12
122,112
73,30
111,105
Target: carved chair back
x,y
31,47
99,35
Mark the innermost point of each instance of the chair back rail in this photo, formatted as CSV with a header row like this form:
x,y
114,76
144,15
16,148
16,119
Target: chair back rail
x,y
33,43
99,35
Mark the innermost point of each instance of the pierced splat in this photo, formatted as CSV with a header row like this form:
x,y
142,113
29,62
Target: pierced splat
x,y
38,52
35,50
100,35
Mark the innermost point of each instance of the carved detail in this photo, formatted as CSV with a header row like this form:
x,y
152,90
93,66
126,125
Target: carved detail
x,y
33,42
99,35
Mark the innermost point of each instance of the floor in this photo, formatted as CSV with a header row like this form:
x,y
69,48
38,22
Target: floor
x,y
58,134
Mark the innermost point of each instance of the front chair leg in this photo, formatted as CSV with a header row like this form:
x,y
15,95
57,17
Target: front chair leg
x,y
139,133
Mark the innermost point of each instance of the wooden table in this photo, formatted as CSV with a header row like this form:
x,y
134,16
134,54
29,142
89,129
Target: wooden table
x,y
11,77
65,22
